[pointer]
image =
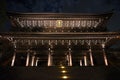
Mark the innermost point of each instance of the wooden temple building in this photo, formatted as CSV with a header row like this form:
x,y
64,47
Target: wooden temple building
x,y
57,39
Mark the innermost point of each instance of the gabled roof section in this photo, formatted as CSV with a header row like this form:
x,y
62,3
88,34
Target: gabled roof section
x,y
66,20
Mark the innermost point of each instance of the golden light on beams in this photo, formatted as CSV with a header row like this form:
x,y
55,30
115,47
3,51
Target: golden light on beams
x,y
63,71
64,77
59,23
118,37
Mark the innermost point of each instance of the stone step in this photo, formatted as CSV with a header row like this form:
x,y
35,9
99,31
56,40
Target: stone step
x,y
59,73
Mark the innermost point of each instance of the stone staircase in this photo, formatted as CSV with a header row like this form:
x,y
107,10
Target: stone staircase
x,y
60,73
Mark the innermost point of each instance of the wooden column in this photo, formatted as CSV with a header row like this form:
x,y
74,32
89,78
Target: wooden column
x,y
91,57
85,60
81,63
69,54
28,58
104,55
50,59
33,60
36,61
90,54
14,55
13,59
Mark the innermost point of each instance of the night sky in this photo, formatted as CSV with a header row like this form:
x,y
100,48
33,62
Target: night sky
x,y
61,6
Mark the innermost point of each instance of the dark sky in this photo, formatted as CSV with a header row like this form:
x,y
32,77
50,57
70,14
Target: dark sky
x,y
67,6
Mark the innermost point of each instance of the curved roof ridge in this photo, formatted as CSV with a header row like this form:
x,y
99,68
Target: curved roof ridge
x,y
42,13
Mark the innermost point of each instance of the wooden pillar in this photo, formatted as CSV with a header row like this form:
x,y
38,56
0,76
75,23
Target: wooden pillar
x,y
85,60
33,60
91,57
36,61
14,55
104,55
13,59
28,58
69,59
69,54
90,54
49,59
81,63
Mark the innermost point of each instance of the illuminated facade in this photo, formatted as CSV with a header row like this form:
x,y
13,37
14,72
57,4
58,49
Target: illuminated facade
x,y
55,39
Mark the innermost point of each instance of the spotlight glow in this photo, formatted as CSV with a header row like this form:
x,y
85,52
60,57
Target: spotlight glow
x,y
63,71
65,77
62,67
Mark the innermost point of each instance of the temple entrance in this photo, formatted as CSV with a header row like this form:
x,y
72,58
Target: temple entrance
x,y
59,55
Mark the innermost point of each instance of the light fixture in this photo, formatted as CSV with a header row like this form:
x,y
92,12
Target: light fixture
x,y
63,71
59,23
65,77
62,67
